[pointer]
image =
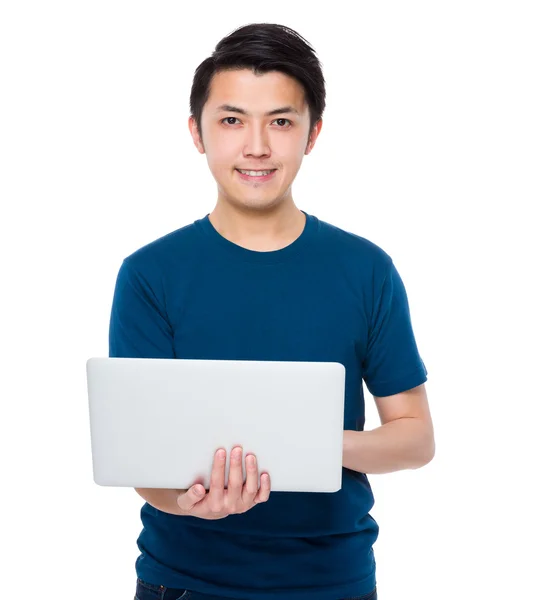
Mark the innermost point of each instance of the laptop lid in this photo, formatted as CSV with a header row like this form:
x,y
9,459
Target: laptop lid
x,y
156,423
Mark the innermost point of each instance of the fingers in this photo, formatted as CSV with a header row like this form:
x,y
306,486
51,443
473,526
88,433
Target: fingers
x,y
251,483
265,489
252,493
239,497
235,480
188,500
217,481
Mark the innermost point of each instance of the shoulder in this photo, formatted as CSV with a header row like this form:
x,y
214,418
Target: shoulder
x,y
165,251
354,249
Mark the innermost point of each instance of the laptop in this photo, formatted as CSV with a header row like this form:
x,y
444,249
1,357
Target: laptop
x,y
157,422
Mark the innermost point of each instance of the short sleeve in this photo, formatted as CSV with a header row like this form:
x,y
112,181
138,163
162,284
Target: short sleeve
x,y
139,327
392,364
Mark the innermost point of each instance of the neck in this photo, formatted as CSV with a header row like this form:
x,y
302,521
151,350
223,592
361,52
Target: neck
x,y
259,230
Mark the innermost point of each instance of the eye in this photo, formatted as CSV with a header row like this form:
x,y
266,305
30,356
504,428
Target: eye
x,y
280,119
284,120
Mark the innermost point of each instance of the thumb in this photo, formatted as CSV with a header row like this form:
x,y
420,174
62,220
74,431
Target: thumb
x,y
194,495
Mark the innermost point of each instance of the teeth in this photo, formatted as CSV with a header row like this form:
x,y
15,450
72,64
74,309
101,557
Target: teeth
x,y
255,173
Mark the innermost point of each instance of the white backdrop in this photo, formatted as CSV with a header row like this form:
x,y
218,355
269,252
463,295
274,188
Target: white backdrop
x,y
427,149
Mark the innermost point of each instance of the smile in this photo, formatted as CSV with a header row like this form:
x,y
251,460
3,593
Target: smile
x,y
256,176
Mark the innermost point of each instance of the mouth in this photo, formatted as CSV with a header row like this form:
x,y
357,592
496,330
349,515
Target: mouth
x,y
257,178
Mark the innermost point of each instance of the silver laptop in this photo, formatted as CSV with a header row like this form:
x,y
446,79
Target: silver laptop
x,y
157,422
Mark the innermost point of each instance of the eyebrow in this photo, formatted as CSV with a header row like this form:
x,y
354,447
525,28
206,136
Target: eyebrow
x,y
241,111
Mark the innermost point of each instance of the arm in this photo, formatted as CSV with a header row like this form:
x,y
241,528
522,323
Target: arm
x,y
395,375
140,328
394,446
162,499
405,439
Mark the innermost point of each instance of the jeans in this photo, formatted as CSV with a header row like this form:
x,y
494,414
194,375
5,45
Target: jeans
x,y
149,591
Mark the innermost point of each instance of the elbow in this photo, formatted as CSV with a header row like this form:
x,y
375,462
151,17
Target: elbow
x,y
431,451
430,454
426,457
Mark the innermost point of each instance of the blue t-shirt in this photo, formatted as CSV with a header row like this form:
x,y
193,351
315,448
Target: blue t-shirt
x,y
331,295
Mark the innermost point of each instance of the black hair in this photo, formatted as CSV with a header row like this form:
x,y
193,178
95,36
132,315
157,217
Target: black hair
x,y
263,47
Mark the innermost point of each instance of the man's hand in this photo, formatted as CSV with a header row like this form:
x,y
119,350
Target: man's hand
x,y
219,502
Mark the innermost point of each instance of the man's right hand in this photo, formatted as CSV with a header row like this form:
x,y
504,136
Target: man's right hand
x,y
219,502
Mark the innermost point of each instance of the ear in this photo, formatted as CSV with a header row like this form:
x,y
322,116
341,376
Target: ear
x,y
194,130
314,136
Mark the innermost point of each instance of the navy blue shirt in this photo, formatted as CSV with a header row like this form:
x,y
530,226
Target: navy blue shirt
x,y
331,295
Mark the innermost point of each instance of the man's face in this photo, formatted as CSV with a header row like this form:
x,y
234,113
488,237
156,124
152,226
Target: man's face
x,y
254,141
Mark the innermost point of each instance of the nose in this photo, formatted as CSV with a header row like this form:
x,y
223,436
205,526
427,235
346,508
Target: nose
x,y
257,142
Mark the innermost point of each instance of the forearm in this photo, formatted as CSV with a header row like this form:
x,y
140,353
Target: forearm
x,y
162,499
401,444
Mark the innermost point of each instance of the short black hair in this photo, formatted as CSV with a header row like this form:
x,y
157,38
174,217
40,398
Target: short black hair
x,y
263,47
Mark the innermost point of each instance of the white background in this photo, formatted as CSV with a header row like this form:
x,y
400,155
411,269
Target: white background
x,y
427,149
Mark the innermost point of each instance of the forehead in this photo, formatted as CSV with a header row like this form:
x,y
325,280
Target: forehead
x,y
258,92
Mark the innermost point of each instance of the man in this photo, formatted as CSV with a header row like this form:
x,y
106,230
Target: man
x,y
260,279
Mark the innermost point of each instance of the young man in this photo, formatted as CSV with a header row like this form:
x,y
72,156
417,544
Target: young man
x,y
260,279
